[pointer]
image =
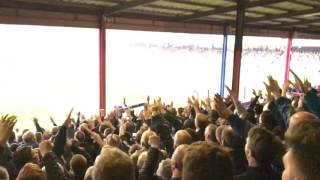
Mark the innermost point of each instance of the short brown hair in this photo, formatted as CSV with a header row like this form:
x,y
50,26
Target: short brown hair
x,y
31,171
264,145
303,140
78,164
206,161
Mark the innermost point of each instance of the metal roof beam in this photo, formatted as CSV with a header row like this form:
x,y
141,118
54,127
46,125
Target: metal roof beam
x,y
220,10
303,22
284,15
52,6
126,6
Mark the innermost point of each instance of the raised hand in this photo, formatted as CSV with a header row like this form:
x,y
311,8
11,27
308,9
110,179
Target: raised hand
x,y
220,107
274,87
122,128
301,101
269,96
300,86
68,120
148,100
237,104
97,138
6,127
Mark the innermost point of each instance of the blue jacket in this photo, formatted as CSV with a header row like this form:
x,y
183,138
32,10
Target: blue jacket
x,y
312,101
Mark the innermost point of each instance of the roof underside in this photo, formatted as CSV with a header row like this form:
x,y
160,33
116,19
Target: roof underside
x,y
280,15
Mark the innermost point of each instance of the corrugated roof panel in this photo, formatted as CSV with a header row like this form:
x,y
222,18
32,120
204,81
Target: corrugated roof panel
x,y
181,5
253,15
160,10
316,24
92,2
224,3
266,10
268,22
287,20
248,14
291,6
221,17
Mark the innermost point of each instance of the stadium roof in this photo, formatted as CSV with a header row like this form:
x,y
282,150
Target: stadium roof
x,y
262,17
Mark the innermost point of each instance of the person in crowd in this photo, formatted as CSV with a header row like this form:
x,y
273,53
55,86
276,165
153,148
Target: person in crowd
x,y
302,160
177,162
261,149
113,164
210,133
164,169
206,161
78,166
182,137
214,138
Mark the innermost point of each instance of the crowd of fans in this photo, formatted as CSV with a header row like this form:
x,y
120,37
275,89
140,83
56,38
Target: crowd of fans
x,y
276,137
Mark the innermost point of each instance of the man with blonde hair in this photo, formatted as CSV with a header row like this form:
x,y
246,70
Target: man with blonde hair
x,y
113,164
182,137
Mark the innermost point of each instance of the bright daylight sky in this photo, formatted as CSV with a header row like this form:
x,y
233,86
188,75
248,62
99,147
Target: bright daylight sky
x,y
47,70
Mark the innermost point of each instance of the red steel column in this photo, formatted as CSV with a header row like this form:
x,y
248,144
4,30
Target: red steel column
x,y
102,66
238,46
288,57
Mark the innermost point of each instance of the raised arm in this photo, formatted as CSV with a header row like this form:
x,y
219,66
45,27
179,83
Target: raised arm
x,y
38,127
61,138
151,164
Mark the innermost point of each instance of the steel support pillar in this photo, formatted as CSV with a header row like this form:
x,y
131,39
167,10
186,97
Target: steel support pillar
x,y
288,57
238,46
224,60
102,67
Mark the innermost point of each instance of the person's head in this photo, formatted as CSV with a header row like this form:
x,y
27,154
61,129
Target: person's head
x,y
54,131
301,116
213,116
22,156
36,154
78,165
231,139
177,158
38,136
28,137
141,160
210,133
145,138
4,175
31,172
219,131
88,175
206,161
267,120
182,137
302,160
79,136
262,147
180,111
164,169
113,164
113,140
201,121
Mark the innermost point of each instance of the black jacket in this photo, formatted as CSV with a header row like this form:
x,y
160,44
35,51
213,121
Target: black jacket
x,y
256,173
